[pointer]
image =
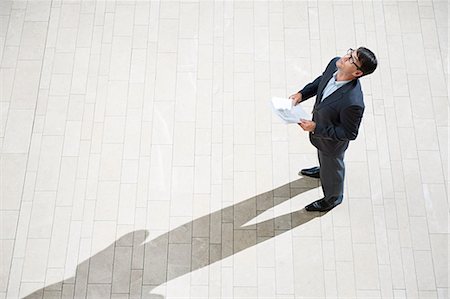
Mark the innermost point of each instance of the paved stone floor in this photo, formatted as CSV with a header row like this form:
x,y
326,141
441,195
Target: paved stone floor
x,y
140,157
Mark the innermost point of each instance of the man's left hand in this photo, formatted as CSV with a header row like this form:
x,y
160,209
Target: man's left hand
x,y
307,125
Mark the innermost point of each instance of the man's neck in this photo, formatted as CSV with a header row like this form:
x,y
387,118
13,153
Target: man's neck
x,y
344,77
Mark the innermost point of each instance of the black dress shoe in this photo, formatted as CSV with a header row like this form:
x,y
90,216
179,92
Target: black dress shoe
x,y
311,172
322,206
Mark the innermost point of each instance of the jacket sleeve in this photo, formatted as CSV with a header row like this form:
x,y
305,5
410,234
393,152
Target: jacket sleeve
x,y
350,119
310,89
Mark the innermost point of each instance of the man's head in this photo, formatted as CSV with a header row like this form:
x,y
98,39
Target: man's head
x,y
358,63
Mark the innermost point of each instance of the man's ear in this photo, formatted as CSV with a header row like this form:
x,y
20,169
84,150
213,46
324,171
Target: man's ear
x,y
358,73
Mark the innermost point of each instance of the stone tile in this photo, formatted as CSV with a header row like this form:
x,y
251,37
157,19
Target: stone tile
x,y
136,284
245,292
51,290
358,171
68,291
428,294
313,283
424,270
59,238
179,260
381,236
5,266
7,80
408,13
25,90
439,251
205,62
155,261
98,291
345,278
285,281
101,267
419,233
227,239
185,110
35,261
189,25
33,40
243,239
85,30
114,95
361,217
200,253
127,204
120,58
410,275
121,276
402,86
398,281
365,265
13,34
385,281
414,192
42,214
368,294
184,144
244,158
427,158
343,244
18,131
202,175
26,288
38,11
442,292
14,165
81,279
166,77
399,293
8,225
107,202
182,234
435,75
426,12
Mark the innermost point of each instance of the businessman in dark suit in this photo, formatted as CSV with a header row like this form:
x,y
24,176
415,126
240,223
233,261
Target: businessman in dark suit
x,y
336,118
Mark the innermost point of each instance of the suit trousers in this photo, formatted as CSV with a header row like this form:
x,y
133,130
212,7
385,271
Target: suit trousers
x,y
332,172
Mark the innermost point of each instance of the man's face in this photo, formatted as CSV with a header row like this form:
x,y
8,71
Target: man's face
x,y
349,64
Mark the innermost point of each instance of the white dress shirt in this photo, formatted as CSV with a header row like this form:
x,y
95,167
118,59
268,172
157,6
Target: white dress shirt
x,y
333,85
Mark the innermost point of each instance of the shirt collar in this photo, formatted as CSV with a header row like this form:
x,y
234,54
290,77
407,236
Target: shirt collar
x,y
339,83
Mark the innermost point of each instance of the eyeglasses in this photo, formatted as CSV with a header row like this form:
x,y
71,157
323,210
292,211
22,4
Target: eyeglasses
x,y
351,59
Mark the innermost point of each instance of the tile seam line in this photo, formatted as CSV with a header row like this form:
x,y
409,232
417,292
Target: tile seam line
x,y
14,77
117,219
89,163
389,147
72,76
384,228
427,73
28,157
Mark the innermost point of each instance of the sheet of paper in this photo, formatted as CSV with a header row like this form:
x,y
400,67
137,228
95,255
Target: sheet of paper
x,y
288,113
282,103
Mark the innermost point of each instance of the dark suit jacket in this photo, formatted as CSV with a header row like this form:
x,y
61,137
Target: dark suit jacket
x,y
338,116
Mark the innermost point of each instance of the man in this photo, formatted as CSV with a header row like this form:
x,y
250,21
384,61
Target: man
x,y
336,118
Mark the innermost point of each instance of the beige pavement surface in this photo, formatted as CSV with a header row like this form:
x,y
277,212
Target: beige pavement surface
x,y
140,157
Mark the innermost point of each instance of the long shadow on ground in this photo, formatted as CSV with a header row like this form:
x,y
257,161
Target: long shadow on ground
x,y
132,267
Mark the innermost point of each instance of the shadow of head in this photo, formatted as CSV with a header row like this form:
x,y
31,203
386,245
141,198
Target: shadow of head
x,y
134,265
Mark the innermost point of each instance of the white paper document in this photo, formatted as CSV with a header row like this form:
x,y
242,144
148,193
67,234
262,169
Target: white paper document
x,y
287,112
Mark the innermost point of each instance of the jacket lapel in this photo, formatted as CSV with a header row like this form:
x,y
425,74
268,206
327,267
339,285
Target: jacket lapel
x,y
323,83
336,95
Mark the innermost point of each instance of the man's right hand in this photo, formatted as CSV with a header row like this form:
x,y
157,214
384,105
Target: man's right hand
x,y
296,98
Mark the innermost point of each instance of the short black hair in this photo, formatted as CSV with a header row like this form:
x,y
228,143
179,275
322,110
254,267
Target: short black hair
x,y
367,60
